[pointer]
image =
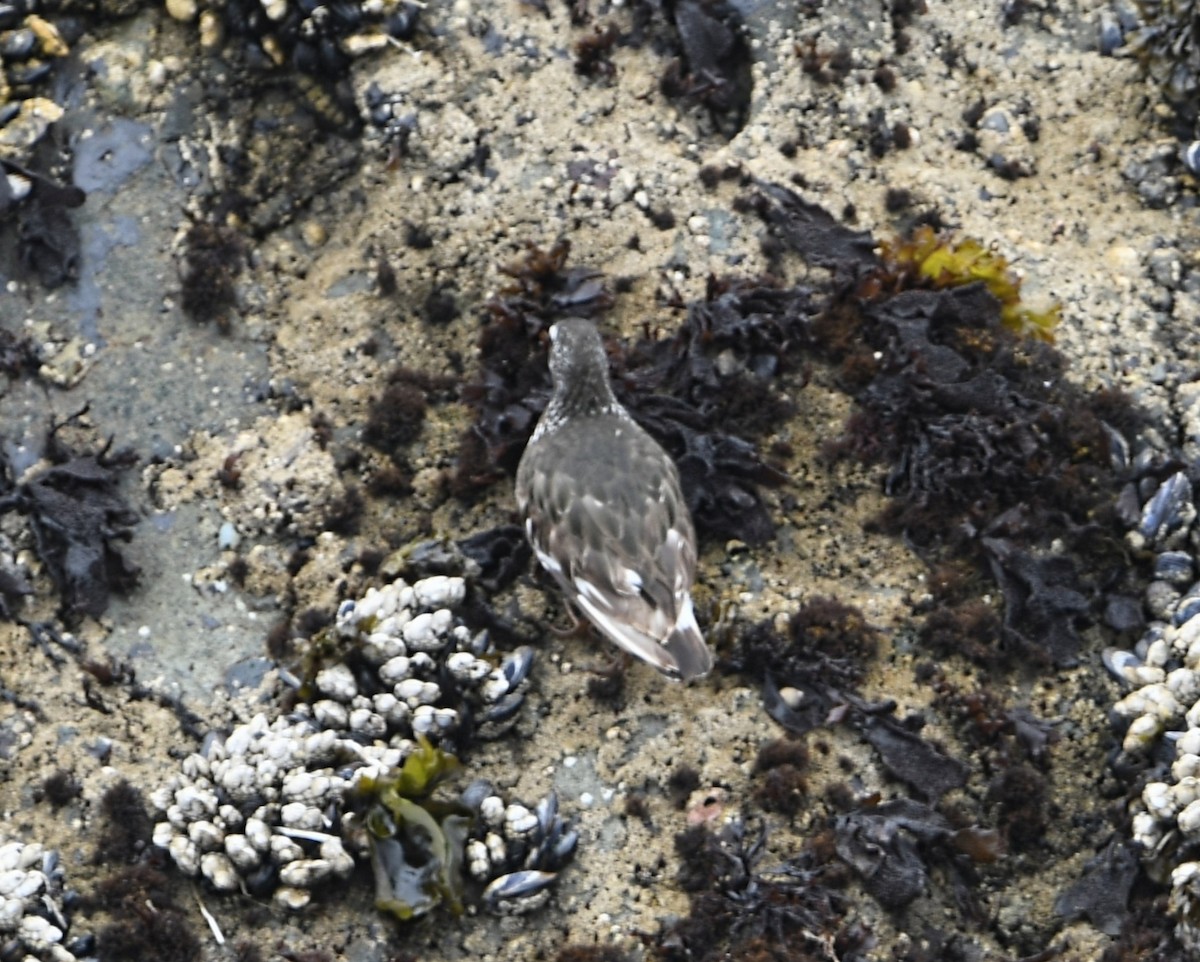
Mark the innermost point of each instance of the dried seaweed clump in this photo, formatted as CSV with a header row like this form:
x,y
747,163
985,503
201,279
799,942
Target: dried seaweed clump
x,y
513,386
214,255
701,391
814,668
77,515
792,913
928,259
994,458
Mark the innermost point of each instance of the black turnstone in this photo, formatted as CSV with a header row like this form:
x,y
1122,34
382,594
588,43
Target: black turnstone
x,y
605,514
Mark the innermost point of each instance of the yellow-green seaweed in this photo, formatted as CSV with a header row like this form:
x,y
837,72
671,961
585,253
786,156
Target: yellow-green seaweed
x,y
416,843
936,260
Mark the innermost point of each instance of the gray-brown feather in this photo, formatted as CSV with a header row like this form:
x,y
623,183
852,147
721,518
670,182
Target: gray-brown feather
x,y
601,497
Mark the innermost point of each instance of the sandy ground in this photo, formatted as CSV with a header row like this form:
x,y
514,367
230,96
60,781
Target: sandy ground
x,y
187,396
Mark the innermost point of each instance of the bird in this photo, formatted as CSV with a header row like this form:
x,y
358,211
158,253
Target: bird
x,y
605,513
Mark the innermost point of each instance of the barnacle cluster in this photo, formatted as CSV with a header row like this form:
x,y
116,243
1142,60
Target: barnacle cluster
x,y
1162,708
929,259
32,924
280,806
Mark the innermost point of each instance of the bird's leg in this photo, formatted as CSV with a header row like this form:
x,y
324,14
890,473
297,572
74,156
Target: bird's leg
x,y
576,628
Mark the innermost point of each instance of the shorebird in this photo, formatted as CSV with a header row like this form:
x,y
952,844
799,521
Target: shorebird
x,y
605,514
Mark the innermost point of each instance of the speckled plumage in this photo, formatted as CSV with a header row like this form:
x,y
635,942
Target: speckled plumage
x,y
605,514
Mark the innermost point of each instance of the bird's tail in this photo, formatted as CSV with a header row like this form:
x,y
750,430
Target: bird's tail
x,y
687,647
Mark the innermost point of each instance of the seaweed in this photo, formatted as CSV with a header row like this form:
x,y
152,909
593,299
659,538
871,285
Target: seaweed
x,y
820,659
416,844
894,844
127,825
1101,895
674,386
48,242
913,760
791,913
78,515
214,256
987,444
926,258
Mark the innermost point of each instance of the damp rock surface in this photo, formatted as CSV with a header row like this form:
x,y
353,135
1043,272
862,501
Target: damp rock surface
x,y
244,362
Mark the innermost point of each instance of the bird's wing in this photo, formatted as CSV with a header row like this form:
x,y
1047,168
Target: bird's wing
x,y
615,533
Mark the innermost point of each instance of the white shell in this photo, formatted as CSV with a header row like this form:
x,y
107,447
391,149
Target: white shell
x,y
219,870
440,591
242,853
292,898
185,853
337,682
518,820
37,932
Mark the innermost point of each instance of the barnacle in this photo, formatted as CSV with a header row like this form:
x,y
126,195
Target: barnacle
x,y
929,259
416,843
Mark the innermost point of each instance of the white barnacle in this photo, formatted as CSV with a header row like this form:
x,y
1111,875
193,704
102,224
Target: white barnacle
x,y
10,855
185,853
496,686
195,766
284,850
21,883
196,802
440,591
1146,830
416,692
491,810
496,848
242,853
395,670
1189,742
1143,732
445,718
340,861
304,873
320,747
11,911
1186,765
1159,800
258,833
207,836
427,632
1189,819
479,863
467,669
290,897
38,933
240,780
423,721
337,682
163,831
363,721
301,815
331,714
219,870
519,820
